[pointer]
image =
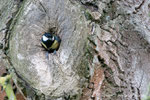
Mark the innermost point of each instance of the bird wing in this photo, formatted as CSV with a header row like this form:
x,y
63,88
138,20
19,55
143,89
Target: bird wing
x,y
54,45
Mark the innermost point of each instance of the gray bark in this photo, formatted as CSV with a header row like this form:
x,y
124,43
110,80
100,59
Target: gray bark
x,y
104,53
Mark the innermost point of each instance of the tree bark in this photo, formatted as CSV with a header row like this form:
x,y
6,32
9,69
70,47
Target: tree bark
x,y
104,53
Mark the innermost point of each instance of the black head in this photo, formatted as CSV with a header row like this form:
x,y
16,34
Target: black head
x,y
47,37
47,40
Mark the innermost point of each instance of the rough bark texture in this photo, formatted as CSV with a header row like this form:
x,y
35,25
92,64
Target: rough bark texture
x,y
104,53
123,42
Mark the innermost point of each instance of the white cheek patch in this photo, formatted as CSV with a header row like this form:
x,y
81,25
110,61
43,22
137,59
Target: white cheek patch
x,y
53,38
45,38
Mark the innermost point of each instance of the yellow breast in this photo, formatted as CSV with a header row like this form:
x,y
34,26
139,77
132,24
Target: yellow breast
x,y
54,45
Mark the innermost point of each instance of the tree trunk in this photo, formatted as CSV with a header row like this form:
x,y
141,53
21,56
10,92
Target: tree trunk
x,y
104,52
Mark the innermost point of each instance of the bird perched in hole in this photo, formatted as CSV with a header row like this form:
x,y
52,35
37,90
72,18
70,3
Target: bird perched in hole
x,y
50,42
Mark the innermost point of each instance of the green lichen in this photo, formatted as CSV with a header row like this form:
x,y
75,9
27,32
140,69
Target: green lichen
x,y
84,66
6,84
89,16
147,98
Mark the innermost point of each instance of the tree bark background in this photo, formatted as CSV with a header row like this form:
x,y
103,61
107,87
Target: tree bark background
x,y
104,54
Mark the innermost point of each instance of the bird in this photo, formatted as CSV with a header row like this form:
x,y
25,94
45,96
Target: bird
x,y
50,42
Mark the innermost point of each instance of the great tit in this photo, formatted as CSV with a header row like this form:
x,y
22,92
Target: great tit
x,y
50,42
